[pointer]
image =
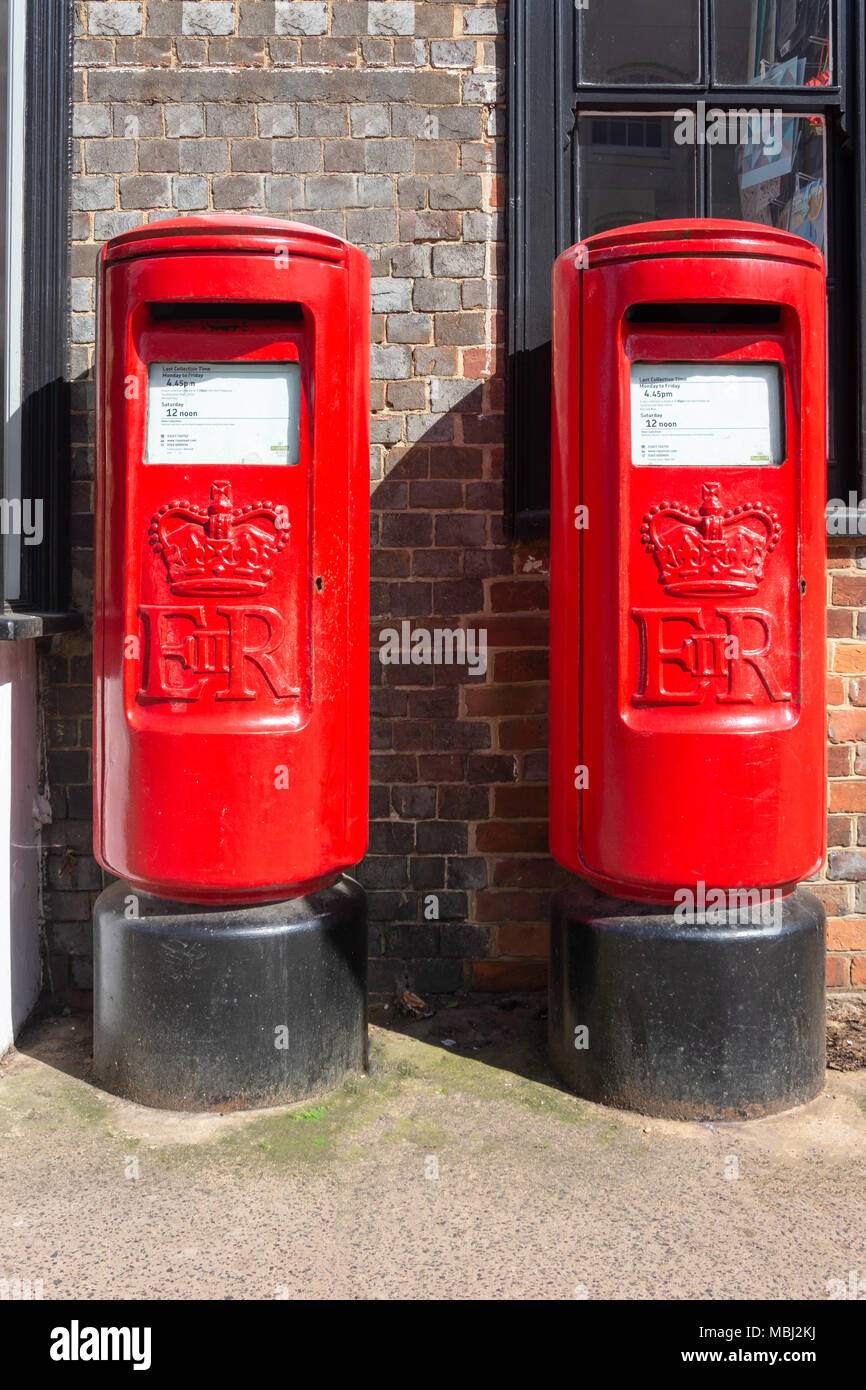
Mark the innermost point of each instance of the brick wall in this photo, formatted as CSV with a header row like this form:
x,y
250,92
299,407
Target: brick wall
x,y
842,885
383,123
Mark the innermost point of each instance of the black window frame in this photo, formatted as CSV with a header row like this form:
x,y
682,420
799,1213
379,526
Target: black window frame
x,y
42,605
544,102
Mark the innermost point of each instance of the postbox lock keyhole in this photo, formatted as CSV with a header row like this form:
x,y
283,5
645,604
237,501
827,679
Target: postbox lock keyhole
x,y
320,583
802,586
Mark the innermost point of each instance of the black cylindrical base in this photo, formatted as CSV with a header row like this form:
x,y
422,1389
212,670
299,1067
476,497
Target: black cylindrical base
x,y
690,1021
201,1008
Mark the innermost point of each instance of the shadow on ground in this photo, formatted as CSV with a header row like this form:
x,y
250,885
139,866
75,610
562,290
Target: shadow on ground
x,y
504,1031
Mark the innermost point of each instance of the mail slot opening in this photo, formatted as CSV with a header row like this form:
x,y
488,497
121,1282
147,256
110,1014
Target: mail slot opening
x,y
194,310
765,314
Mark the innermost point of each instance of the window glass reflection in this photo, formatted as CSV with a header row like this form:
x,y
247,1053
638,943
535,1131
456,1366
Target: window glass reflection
x,y
632,170
640,43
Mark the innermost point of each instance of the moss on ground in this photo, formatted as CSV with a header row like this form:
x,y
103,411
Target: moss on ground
x,y
403,1071
49,1101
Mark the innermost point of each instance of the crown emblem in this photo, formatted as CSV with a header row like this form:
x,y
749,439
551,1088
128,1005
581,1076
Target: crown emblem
x,y
705,550
219,549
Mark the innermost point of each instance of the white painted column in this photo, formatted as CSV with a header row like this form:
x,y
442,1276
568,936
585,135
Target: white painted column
x,y
20,967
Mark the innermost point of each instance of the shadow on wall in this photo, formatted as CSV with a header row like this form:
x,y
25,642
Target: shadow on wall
x,y
458,871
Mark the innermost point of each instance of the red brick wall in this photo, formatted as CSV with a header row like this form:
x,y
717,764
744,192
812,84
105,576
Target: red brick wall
x,y
842,885
383,123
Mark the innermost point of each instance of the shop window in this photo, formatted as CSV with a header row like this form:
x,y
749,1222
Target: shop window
x,y
644,110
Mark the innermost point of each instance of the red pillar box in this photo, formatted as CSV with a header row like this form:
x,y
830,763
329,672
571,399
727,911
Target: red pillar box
x,y
687,668
688,604
232,558
231,666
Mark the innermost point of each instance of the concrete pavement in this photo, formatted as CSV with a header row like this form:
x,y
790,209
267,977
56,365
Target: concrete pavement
x,y
455,1169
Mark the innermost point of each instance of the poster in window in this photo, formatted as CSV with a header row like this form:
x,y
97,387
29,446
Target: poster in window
x,y
807,212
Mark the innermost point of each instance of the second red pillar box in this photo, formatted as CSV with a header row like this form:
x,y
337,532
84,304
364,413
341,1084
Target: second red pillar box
x,y
688,603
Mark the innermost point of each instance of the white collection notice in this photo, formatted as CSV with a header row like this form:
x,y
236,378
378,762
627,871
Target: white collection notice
x,y
714,414
223,412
